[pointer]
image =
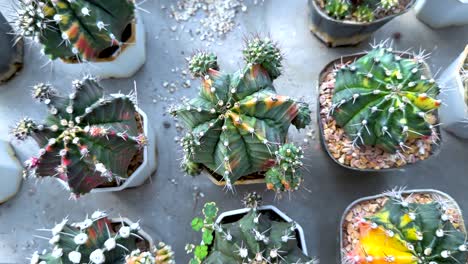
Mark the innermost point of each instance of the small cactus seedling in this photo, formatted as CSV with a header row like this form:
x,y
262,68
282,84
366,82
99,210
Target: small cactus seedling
x,y
404,232
87,139
238,122
161,254
83,30
359,10
383,99
255,238
96,240
338,9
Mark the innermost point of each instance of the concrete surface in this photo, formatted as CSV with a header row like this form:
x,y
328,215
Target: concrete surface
x,y
167,204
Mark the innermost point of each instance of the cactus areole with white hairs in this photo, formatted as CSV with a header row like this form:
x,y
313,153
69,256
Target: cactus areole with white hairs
x,y
78,30
238,124
87,139
383,99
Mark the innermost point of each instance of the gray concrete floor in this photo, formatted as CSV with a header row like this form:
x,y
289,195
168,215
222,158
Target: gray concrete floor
x,y
167,204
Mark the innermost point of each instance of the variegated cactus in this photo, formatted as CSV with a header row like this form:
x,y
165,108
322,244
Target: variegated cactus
x,y
406,232
383,99
255,239
96,240
87,140
83,30
238,122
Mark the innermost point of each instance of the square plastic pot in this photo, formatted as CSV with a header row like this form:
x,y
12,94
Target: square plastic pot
x,y
11,53
370,198
334,32
125,63
435,147
146,168
235,215
442,13
454,111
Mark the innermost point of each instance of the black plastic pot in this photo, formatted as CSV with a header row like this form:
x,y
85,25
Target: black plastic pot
x,y
11,54
336,33
435,147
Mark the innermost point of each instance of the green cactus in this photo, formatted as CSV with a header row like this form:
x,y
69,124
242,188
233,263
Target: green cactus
x,y
161,254
253,239
95,240
83,30
87,140
238,122
389,4
410,233
383,99
338,9
285,175
363,13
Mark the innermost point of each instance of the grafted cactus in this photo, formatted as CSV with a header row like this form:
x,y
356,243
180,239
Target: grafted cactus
x,y
87,140
404,232
161,254
95,240
78,29
383,99
238,122
253,239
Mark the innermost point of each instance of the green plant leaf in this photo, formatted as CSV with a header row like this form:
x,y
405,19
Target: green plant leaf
x,y
201,252
197,224
207,237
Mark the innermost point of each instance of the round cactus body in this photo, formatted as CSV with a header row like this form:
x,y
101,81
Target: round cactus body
x,y
238,121
76,30
383,100
403,232
95,240
87,140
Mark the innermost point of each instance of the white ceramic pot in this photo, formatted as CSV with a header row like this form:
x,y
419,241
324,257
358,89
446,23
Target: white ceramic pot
x,y
141,232
146,168
125,65
442,13
283,216
454,111
11,172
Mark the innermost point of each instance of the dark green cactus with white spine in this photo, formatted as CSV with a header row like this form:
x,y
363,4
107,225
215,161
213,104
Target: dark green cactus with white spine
x,y
238,122
87,139
383,99
95,240
253,239
83,30
408,232
283,176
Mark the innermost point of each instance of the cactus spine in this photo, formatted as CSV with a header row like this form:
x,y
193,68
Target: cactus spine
x,y
95,240
238,122
383,99
404,232
83,30
253,239
87,139
161,254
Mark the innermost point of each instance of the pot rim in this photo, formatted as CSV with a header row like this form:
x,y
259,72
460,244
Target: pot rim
x,y
373,197
273,208
436,148
356,23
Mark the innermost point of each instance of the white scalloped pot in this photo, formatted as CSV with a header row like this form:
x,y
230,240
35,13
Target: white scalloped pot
x,y
140,232
125,65
278,212
442,13
454,111
146,168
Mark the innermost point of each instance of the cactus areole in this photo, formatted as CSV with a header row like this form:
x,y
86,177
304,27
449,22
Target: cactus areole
x,y
238,123
406,232
87,140
383,99
78,30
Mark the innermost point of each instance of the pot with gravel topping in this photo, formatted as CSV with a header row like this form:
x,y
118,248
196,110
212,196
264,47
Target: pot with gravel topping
x,y
378,110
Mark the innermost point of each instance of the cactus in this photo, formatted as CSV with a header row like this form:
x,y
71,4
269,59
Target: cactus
x,y
238,122
359,10
284,176
389,4
83,30
87,140
410,233
383,100
338,9
161,254
253,239
363,13
95,240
